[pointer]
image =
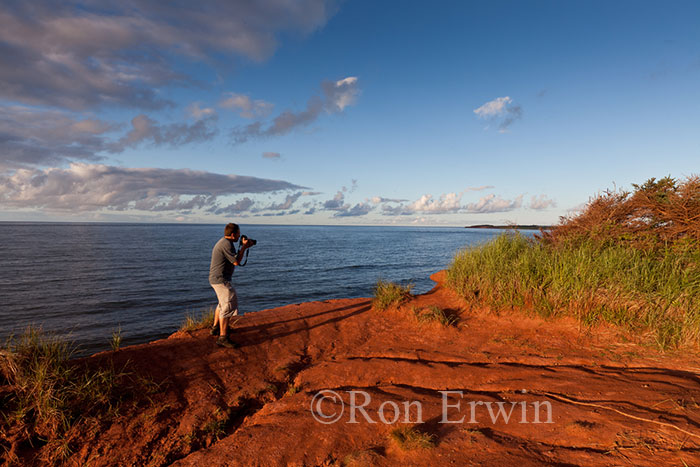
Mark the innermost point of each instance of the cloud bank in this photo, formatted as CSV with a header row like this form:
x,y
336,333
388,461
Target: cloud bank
x,y
88,187
83,54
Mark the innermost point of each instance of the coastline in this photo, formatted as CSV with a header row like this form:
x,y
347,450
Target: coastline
x,y
251,406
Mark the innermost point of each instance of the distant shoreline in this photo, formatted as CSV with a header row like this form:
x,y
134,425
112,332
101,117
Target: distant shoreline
x,y
514,227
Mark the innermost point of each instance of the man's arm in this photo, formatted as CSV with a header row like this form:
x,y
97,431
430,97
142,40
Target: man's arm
x,y
241,250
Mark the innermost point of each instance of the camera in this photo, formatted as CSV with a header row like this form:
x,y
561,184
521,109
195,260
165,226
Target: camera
x,y
250,241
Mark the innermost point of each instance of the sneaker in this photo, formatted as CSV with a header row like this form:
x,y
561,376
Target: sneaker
x,y
224,341
214,330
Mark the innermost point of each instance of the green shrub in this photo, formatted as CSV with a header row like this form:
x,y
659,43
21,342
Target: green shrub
x,y
387,294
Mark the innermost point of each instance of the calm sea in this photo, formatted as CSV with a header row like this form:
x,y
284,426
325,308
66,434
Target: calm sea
x,y
84,281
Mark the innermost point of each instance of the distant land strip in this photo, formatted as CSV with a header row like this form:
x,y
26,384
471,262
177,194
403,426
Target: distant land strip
x,y
512,226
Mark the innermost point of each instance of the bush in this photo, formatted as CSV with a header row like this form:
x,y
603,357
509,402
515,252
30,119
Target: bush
x,y
657,214
655,290
387,294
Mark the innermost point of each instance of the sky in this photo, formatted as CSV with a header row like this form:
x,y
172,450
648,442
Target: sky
x,y
356,112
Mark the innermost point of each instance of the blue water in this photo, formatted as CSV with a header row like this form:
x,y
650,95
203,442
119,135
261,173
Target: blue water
x,y
84,281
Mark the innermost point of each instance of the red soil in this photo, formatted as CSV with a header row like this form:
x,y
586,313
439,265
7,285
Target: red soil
x,y
613,402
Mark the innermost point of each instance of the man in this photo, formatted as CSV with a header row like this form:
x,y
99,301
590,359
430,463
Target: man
x,y
223,260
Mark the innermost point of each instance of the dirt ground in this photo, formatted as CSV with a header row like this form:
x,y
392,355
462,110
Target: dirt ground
x,y
601,399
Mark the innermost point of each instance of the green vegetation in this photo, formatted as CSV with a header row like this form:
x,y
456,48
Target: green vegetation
x,y
631,259
408,437
116,341
194,321
46,394
435,314
387,294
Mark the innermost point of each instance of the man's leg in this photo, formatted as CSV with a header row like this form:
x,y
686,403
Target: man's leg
x,y
215,326
223,329
231,310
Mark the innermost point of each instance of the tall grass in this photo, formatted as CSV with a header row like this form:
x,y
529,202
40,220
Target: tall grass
x,y
48,394
644,290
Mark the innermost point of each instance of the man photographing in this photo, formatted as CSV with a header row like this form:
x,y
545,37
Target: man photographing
x,y
223,260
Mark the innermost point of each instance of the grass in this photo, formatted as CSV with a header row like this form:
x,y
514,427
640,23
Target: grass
x,y
387,294
48,395
646,291
194,321
361,458
435,314
116,341
408,438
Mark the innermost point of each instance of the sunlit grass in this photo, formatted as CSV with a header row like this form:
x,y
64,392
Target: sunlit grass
x,y
656,291
194,321
387,294
48,394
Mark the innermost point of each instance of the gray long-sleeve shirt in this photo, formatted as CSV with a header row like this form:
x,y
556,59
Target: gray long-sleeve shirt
x,y
223,255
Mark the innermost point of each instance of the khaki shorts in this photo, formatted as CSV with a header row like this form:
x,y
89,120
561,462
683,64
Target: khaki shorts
x,y
228,300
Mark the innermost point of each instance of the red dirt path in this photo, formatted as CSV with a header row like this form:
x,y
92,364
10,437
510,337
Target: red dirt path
x,y
235,407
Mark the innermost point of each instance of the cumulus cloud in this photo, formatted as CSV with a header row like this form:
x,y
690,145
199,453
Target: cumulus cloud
x,y
493,203
359,209
87,187
240,206
340,208
271,155
502,111
82,54
336,96
450,203
146,130
286,204
541,202
247,107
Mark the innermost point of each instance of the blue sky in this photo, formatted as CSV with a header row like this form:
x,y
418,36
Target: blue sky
x,y
358,112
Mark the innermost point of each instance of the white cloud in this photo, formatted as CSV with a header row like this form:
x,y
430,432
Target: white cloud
x,y
451,203
247,107
493,203
493,108
340,94
501,110
271,155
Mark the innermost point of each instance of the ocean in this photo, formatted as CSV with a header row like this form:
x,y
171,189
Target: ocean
x,y
84,281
